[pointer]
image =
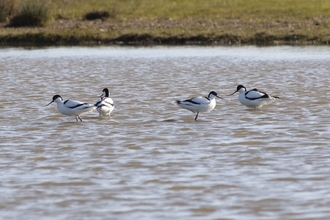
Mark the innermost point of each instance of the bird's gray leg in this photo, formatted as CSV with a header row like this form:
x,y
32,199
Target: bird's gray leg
x,y
196,118
79,118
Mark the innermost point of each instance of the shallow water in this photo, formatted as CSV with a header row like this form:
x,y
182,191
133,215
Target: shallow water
x,y
151,160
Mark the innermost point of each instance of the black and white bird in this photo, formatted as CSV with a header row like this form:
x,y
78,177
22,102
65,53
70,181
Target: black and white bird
x,y
253,98
71,107
104,104
200,104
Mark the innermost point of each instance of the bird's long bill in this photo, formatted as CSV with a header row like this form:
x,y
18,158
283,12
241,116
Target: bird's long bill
x,y
233,93
50,103
220,97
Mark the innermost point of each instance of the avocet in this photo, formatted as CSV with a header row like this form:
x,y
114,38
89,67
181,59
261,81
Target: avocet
x,y
105,104
71,107
253,98
200,104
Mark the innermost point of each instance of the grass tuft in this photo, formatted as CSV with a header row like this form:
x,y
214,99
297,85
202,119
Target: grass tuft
x,y
7,8
176,22
32,13
97,14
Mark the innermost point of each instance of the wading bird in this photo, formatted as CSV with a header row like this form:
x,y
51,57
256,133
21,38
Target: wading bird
x,y
200,104
253,98
105,104
71,107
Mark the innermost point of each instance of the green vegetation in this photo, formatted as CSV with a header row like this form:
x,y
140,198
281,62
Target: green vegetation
x,y
177,22
31,13
211,9
6,9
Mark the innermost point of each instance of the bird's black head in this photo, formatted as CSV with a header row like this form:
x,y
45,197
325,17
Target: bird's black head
x,y
212,93
240,87
237,89
105,92
54,98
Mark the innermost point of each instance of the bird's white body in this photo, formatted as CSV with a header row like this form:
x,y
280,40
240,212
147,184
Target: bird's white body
x,y
254,98
105,104
199,104
72,107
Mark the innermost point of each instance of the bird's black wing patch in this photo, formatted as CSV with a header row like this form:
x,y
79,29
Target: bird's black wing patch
x,y
264,96
76,106
109,103
191,101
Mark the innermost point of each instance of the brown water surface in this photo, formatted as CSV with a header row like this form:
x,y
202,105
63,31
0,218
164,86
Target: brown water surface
x,y
151,160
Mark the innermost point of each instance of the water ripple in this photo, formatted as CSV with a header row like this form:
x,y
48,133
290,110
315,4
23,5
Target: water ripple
x,y
151,160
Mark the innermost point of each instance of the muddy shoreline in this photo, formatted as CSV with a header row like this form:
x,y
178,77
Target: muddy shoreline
x,y
166,32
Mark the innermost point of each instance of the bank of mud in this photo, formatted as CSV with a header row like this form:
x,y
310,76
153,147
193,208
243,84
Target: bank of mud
x,y
167,32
